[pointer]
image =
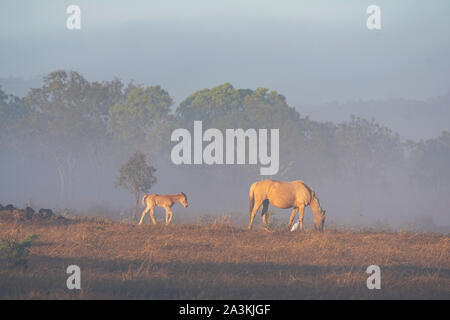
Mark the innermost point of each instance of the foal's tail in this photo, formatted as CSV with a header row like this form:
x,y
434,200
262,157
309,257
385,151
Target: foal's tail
x,y
143,199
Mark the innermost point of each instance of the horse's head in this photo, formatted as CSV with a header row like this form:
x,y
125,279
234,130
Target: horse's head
x,y
319,220
183,200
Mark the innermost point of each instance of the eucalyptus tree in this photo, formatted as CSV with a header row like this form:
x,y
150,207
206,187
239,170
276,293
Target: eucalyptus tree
x,y
142,121
69,121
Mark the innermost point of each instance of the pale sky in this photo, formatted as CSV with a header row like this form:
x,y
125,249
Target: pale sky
x,y
310,51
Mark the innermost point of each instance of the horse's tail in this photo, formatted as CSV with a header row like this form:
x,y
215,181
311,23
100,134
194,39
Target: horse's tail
x,y
251,201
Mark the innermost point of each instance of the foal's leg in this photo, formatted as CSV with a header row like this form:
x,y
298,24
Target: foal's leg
x,y
169,214
294,212
263,213
143,213
152,214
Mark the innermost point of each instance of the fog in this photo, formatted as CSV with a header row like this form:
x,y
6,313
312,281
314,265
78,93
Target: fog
x,y
312,52
389,172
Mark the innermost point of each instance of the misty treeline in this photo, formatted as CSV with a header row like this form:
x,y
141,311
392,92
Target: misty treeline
x,y
63,143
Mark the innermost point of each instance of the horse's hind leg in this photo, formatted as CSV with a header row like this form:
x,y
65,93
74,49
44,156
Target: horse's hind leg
x,y
264,213
294,212
253,213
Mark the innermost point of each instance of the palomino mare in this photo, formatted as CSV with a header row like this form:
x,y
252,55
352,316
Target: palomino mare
x,y
295,194
149,201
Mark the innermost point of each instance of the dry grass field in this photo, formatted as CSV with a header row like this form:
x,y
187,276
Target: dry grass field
x,y
217,260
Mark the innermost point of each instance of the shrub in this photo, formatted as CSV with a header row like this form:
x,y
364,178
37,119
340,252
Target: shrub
x,y
14,253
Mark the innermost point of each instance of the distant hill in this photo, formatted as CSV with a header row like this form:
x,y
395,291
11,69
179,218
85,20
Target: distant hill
x,y
412,119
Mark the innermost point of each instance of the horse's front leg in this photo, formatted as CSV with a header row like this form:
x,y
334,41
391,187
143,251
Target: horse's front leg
x,y
300,216
294,212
